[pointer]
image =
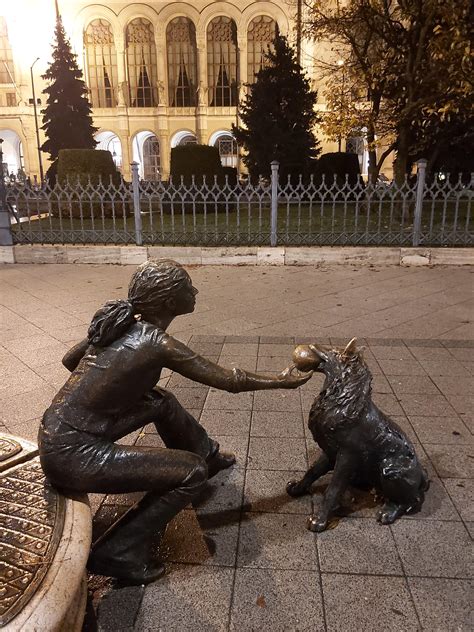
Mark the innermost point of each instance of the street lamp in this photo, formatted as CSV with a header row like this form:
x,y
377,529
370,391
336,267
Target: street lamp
x,y
340,63
36,122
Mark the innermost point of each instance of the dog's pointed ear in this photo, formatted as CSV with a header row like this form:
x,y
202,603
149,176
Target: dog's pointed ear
x,y
351,347
319,352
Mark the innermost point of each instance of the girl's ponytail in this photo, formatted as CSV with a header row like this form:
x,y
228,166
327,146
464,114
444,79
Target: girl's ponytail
x,y
110,322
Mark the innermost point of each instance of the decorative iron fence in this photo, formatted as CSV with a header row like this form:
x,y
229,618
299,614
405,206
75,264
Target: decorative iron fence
x,y
268,213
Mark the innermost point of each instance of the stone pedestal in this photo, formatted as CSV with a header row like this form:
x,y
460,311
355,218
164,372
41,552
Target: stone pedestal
x,y
45,540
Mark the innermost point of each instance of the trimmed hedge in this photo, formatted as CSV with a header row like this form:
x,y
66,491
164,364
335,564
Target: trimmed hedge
x,y
84,164
338,164
94,166
197,161
231,173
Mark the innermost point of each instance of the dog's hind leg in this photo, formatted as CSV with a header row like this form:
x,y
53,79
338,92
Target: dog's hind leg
x,y
318,469
403,482
346,465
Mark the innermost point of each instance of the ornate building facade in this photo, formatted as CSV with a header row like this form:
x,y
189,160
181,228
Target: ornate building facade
x,y
159,74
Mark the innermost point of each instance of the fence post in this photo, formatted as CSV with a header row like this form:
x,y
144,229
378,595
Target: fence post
x,y
420,186
274,212
6,238
136,203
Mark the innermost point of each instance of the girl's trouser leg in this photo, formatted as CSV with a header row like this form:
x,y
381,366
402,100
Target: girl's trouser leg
x,y
175,425
82,462
128,543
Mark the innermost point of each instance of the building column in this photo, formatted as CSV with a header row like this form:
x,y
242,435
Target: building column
x,y
242,90
202,71
160,42
30,149
202,93
165,154
242,59
122,88
126,145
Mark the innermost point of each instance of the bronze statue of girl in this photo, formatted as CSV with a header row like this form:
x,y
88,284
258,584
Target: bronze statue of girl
x,y
111,392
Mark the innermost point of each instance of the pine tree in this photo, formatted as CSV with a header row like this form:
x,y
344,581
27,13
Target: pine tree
x,y
67,119
278,115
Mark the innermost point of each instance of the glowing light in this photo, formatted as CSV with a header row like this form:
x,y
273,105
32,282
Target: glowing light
x,y
340,62
30,27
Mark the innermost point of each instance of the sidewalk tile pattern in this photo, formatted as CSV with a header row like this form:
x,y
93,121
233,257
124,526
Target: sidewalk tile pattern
x,y
242,559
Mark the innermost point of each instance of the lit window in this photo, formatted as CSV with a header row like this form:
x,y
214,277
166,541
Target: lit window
x,y
222,62
141,63
228,150
188,139
6,58
101,63
261,33
151,158
182,62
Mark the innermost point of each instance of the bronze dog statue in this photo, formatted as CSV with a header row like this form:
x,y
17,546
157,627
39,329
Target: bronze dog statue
x,y
363,446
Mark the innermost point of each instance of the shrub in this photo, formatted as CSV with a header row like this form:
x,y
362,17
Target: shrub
x,y
94,166
338,164
87,164
200,161
197,161
231,173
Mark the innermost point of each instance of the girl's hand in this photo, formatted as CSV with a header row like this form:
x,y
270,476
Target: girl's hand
x,y
286,378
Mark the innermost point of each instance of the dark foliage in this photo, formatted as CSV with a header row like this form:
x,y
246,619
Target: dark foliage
x,y
67,119
95,167
338,165
447,145
231,174
278,116
87,165
195,160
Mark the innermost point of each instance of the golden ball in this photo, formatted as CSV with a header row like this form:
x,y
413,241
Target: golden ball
x,y
304,358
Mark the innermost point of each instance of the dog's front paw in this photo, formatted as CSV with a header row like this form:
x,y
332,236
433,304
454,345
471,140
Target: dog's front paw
x,y
390,512
295,489
317,524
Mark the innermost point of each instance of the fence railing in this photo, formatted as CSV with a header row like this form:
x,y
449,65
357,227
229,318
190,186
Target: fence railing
x,y
293,212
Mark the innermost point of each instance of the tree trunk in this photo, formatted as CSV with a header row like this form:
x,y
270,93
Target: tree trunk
x,y
401,161
432,159
373,170
400,167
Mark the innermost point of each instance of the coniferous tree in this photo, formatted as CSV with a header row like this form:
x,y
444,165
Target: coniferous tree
x,y
67,119
278,115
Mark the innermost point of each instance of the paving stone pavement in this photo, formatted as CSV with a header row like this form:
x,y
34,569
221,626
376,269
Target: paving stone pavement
x,y
242,559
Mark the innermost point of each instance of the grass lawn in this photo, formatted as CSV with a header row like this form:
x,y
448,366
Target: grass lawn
x,y
332,222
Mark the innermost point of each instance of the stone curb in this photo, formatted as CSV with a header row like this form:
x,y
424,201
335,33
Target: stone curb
x,y
241,255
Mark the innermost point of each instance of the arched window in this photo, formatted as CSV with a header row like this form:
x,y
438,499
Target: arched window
x,y
188,139
141,64
151,158
222,61
261,33
110,142
228,150
101,63
356,145
6,58
182,64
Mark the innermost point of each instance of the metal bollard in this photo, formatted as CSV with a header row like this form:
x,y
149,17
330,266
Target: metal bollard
x,y
274,205
420,186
